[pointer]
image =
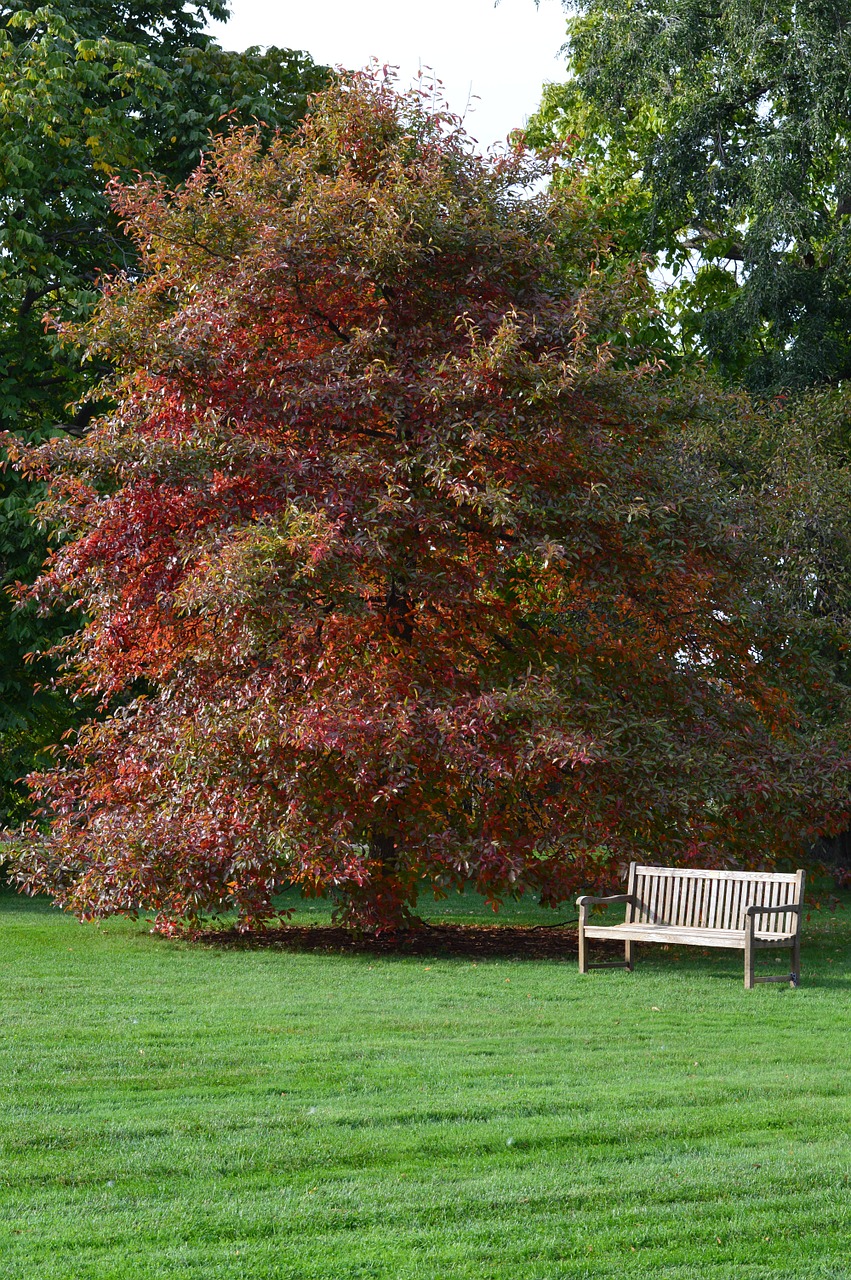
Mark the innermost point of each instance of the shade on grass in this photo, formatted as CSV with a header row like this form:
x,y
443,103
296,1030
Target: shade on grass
x,y
177,1111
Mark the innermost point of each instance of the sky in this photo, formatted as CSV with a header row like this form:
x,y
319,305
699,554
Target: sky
x,y
492,59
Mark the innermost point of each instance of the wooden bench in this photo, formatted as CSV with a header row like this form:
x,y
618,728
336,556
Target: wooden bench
x,y
747,910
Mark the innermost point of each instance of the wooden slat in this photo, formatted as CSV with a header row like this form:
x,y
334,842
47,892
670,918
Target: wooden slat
x,y
676,899
729,904
743,901
778,897
649,882
641,907
697,903
789,917
712,914
725,896
697,898
674,908
637,886
706,909
768,891
786,896
665,883
703,920
800,879
653,883
661,896
735,899
657,898
735,905
789,877
630,888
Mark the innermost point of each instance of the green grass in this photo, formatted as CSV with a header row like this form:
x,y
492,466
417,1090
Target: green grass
x,y
175,1111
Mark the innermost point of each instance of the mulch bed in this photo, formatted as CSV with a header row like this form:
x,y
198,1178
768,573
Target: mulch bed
x,y
466,941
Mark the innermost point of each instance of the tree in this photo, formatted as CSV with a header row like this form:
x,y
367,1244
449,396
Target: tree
x,y
723,131
712,138
88,91
392,572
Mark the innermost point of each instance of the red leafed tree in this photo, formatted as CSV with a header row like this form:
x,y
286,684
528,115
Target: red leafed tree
x,y
390,571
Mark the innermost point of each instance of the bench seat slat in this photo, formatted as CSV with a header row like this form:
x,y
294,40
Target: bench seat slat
x,y
688,937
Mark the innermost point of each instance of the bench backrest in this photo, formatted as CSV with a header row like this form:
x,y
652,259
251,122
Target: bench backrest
x,y
712,899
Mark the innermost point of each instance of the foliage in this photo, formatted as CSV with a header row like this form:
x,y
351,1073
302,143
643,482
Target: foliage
x,y
83,96
88,91
391,572
723,131
788,457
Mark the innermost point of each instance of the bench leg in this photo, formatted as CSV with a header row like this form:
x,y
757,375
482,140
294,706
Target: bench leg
x,y
628,953
748,962
583,951
796,963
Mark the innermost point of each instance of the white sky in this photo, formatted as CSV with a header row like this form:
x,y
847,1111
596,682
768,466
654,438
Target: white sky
x,y
500,54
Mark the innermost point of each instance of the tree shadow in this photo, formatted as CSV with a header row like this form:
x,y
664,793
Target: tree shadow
x,y
465,941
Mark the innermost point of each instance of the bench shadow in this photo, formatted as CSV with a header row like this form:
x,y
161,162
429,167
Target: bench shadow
x,y
710,967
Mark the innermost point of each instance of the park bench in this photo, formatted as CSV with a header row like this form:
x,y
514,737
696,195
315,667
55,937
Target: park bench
x,y
747,910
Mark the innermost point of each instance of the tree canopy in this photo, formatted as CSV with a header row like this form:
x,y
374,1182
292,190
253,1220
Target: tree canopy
x,y
88,91
721,131
393,573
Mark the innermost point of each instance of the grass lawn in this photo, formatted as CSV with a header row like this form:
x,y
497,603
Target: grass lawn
x,y
172,1110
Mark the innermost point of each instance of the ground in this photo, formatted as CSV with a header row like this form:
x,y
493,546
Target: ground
x,y
218,1113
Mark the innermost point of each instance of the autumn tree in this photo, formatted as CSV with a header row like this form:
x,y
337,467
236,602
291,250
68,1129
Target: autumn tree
x,y
393,571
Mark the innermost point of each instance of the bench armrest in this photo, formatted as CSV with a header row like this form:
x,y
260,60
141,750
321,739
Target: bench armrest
x,y
587,901
755,910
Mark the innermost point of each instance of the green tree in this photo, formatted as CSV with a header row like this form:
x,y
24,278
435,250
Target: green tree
x,y
712,138
718,134
88,92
